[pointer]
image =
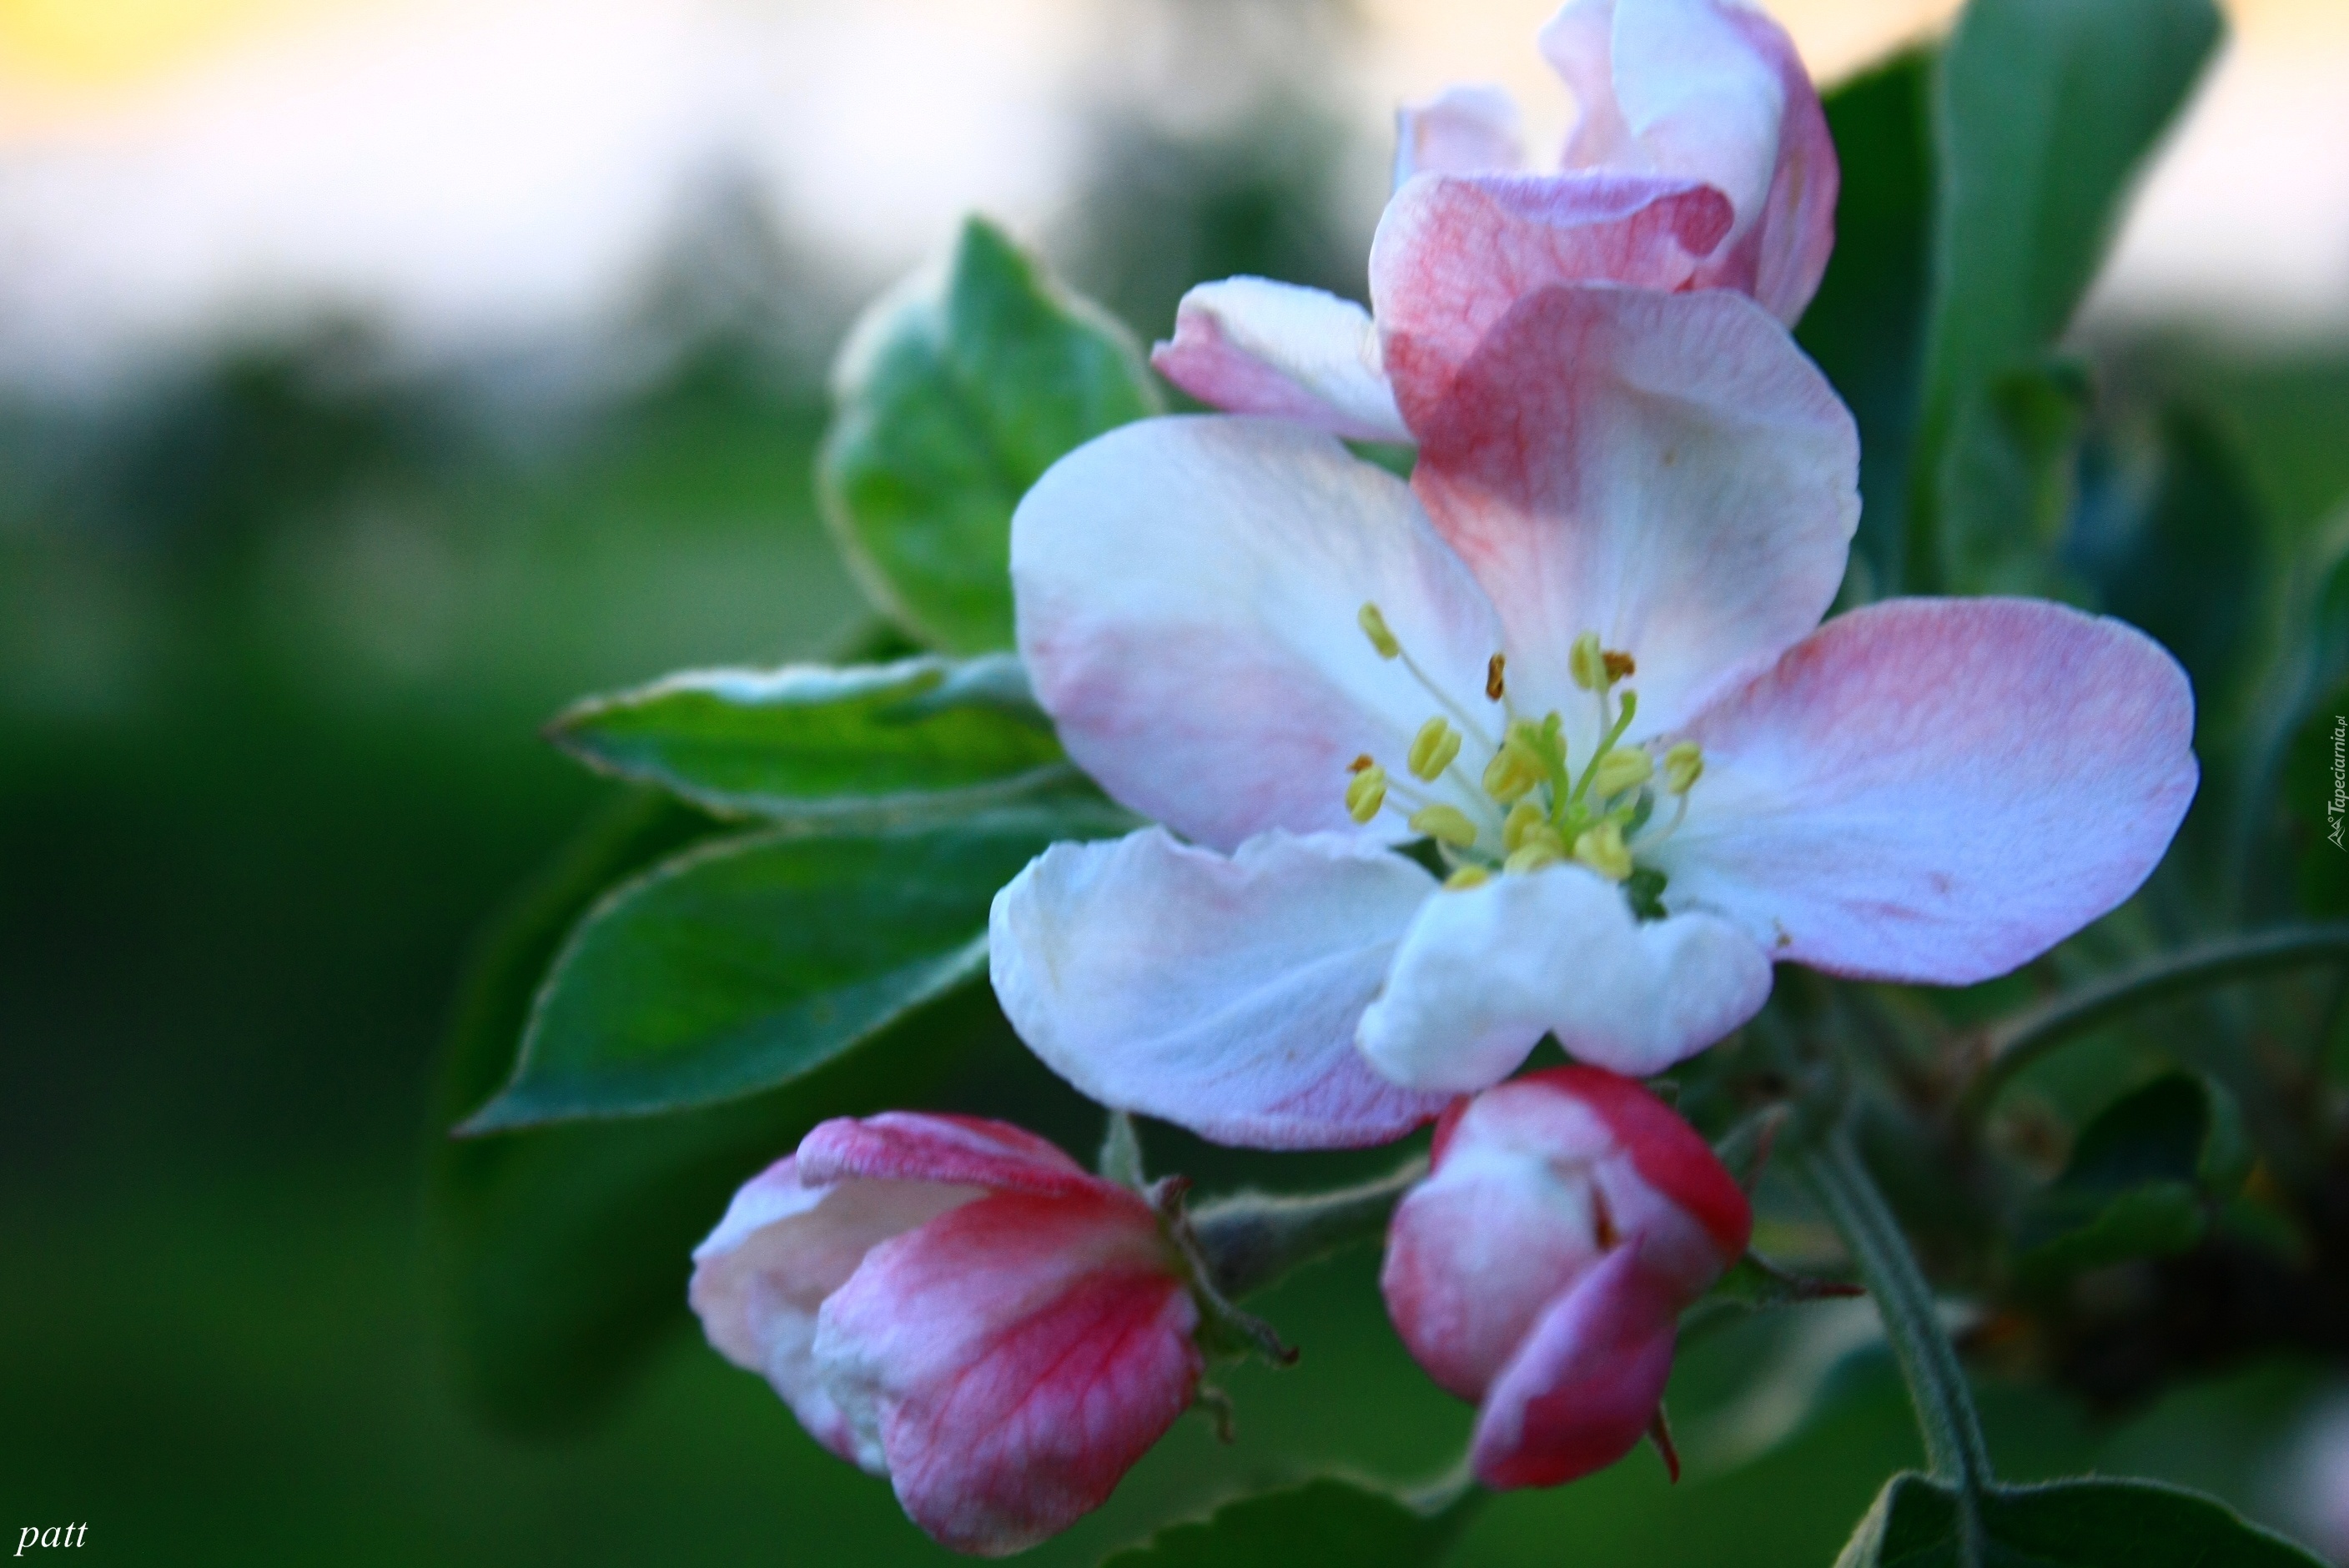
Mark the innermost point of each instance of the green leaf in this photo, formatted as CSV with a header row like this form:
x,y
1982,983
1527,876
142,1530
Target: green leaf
x,y
2012,480
953,395
868,743
1323,1521
739,965
559,1255
2044,112
1866,328
2141,1178
2094,1523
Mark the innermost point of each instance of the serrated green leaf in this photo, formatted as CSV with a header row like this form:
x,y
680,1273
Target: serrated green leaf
x,y
953,395
2088,1523
2044,111
921,735
1322,1520
739,965
2141,1179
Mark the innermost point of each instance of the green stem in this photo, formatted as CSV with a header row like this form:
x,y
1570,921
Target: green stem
x,y
1251,1238
2029,1037
1954,1450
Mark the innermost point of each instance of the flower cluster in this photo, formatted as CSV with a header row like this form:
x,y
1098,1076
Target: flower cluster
x,y
1549,742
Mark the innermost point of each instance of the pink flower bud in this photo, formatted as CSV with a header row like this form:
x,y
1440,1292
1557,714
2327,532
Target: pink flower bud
x,y
957,1305
1541,1268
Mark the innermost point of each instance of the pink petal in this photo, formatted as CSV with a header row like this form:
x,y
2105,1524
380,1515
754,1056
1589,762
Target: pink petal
x,y
1253,346
1485,972
1584,1388
1452,253
784,1247
1219,993
1012,1359
1667,471
1713,93
1187,594
1938,790
1670,1159
965,1151
1461,130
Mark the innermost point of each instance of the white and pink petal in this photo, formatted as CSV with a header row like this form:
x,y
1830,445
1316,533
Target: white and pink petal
x,y
1461,130
1938,790
1250,345
1219,992
1189,591
1485,972
1666,471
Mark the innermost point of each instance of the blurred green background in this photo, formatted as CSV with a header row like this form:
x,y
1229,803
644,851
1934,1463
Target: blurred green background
x,y
277,627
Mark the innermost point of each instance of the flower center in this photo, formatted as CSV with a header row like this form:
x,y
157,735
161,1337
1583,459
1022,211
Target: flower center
x,y
1503,795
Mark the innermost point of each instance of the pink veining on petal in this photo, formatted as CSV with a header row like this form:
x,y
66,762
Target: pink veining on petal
x,y
1585,1385
1781,258
1013,1358
1938,790
963,1150
1667,471
1452,253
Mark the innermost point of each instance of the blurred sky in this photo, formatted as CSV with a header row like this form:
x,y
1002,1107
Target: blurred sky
x,y
474,173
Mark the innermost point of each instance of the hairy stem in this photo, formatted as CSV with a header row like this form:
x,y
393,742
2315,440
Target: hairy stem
x,y
1955,1452
1251,1238
2028,1037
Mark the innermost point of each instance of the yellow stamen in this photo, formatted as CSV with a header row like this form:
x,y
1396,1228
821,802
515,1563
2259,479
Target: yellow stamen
x,y
1432,749
1366,792
1619,665
1515,771
1602,849
1533,854
1465,878
1523,817
1683,766
1374,626
1492,670
1587,662
1359,763
1620,770
1445,824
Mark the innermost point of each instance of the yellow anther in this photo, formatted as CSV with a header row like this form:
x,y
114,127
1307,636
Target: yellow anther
x,y
1465,878
1683,766
1533,854
1446,825
1515,771
1374,626
1523,817
1493,669
1366,792
1432,749
1359,763
1618,665
1586,662
1622,769
1602,849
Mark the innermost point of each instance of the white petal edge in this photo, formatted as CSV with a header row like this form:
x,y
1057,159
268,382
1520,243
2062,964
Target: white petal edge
x,y
1251,346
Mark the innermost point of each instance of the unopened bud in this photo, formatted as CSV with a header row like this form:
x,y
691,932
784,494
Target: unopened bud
x,y
1683,766
1374,626
1602,849
1432,749
1446,825
1366,792
1465,878
1627,768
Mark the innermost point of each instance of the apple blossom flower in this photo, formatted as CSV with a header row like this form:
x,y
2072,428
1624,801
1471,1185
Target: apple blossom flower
x,y
957,1305
1541,1269
1700,159
1577,662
